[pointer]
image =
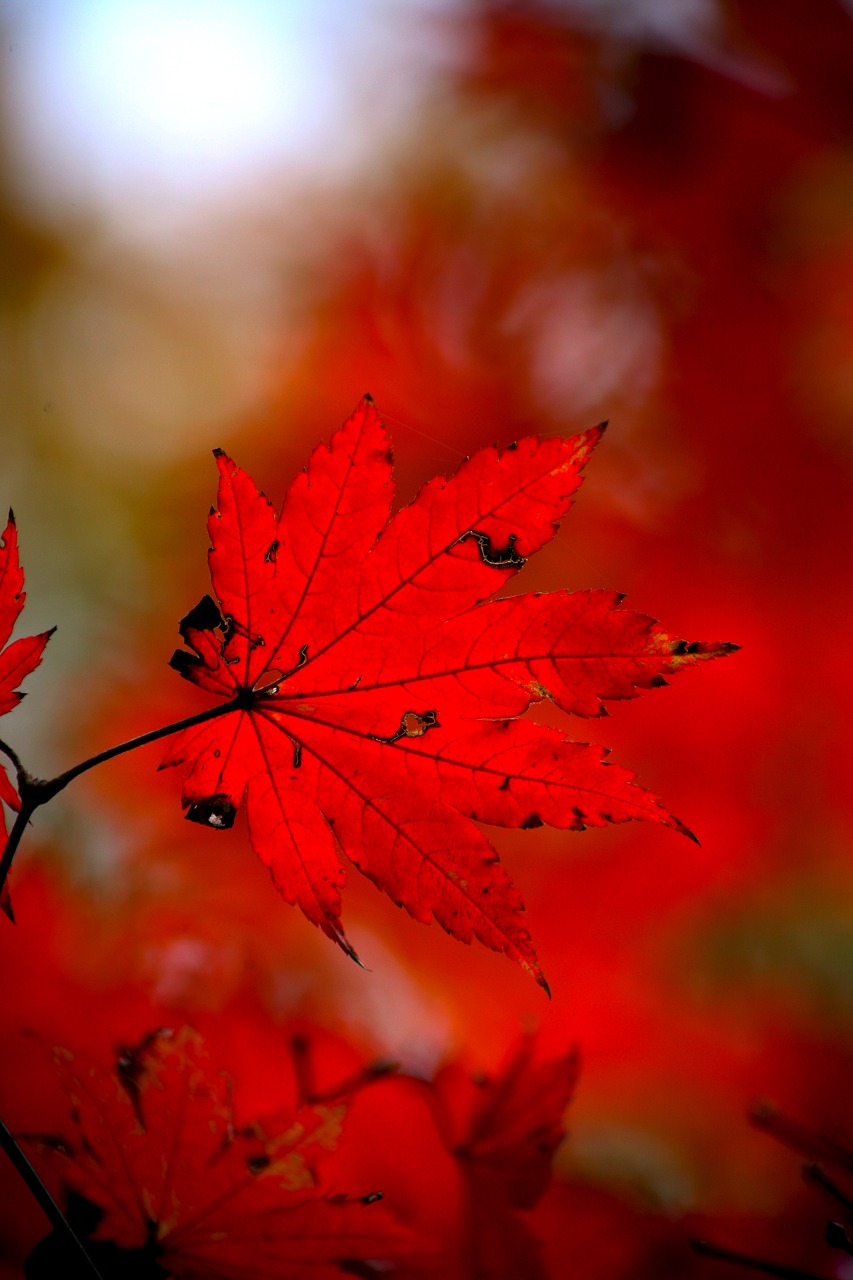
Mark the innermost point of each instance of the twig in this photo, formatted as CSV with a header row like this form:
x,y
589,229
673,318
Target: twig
x,y
54,1214
35,792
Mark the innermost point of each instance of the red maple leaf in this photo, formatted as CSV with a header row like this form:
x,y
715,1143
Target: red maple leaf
x,y
375,693
21,657
180,1187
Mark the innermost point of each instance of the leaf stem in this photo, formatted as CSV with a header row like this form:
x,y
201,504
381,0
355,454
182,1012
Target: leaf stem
x,y
54,1214
35,792
59,783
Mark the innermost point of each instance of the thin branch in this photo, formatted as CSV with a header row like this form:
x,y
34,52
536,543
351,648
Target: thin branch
x,y
59,783
815,1174
52,1211
13,756
36,792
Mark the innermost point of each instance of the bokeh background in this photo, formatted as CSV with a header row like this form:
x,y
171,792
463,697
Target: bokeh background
x,y
221,224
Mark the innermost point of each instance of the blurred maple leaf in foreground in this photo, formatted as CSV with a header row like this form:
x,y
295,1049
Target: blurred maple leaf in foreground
x,y
376,692
168,1185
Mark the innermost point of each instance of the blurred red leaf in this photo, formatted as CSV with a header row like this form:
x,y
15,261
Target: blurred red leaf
x,y
361,662
509,1124
155,1146
503,1130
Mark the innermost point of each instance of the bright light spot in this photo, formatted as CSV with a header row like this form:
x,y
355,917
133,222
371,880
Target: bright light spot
x,y
163,98
194,82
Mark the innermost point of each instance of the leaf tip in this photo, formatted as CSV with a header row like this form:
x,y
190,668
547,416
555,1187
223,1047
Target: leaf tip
x,y
348,949
685,831
584,443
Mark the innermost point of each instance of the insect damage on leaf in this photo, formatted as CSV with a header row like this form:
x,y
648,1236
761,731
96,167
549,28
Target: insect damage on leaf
x,y
412,725
495,556
375,690
214,811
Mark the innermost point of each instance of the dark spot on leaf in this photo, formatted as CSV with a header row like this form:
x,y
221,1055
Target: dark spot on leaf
x,y
216,811
130,1067
371,1197
680,646
269,554
257,1164
496,557
579,813
657,682
297,754
217,753
532,820
504,786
